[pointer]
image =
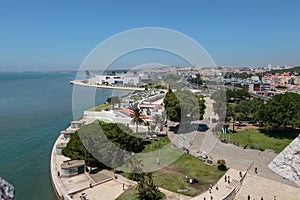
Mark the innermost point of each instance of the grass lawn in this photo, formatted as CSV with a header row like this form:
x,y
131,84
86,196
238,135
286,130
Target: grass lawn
x,y
172,177
255,139
129,194
156,144
100,107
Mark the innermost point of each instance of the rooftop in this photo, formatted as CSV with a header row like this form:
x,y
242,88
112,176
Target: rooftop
x,y
72,163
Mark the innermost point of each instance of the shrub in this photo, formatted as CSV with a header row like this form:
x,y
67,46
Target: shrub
x,y
221,162
222,167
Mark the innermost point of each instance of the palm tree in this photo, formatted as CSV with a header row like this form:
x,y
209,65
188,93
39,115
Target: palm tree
x,y
137,118
147,189
148,124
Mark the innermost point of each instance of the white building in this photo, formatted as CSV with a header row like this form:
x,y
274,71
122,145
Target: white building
x,y
115,80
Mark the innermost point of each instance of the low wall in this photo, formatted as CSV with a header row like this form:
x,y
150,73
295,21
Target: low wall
x,y
230,195
57,186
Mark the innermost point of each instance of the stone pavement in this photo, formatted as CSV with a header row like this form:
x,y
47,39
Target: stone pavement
x,y
258,187
224,188
107,191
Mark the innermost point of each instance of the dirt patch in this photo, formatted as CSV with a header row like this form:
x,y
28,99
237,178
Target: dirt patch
x,y
172,170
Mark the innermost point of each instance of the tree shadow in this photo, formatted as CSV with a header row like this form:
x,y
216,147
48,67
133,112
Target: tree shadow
x,y
174,129
202,127
287,133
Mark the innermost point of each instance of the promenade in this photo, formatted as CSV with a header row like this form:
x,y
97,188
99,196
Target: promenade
x,y
103,185
80,83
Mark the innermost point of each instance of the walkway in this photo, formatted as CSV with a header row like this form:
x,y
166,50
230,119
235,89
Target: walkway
x,y
258,187
224,188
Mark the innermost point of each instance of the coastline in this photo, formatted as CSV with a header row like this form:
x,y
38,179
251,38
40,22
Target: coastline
x,y
55,180
80,83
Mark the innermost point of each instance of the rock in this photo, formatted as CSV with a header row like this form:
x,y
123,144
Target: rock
x,y
287,163
7,191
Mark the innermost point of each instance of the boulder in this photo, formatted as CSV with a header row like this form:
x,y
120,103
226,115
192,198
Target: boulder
x,y
287,163
7,191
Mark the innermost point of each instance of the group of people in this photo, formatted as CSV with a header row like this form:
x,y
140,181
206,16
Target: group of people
x,y
260,198
191,180
227,179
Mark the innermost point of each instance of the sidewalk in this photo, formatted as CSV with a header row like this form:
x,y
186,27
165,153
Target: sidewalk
x,y
224,188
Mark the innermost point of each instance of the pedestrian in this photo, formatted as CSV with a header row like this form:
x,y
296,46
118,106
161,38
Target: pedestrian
x,y
261,198
228,179
210,186
274,197
211,198
255,170
209,190
217,186
204,198
186,179
84,195
248,197
225,178
241,174
123,186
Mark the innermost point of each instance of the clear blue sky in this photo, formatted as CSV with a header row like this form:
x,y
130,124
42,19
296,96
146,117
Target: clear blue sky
x,y
51,35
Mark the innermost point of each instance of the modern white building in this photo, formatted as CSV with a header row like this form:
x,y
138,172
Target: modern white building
x,y
115,80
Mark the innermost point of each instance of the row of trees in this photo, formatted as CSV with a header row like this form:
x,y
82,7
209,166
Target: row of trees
x,y
280,112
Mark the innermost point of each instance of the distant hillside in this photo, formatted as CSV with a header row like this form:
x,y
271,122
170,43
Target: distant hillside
x,y
292,70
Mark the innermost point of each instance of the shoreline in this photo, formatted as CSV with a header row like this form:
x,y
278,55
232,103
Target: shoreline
x,y
80,83
61,195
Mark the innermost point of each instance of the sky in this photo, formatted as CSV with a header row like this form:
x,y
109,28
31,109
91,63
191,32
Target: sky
x,y
57,35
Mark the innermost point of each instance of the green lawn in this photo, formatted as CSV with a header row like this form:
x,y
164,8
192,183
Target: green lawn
x,y
255,139
156,144
172,177
129,194
100,107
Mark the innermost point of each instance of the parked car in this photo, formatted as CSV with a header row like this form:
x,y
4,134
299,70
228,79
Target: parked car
x,y
203,155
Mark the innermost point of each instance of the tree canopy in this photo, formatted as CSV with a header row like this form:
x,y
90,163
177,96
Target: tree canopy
x,y
281,111
185,106
106,141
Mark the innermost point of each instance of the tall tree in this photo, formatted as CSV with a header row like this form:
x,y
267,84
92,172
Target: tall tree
x,y
137,118
113,100
184,106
